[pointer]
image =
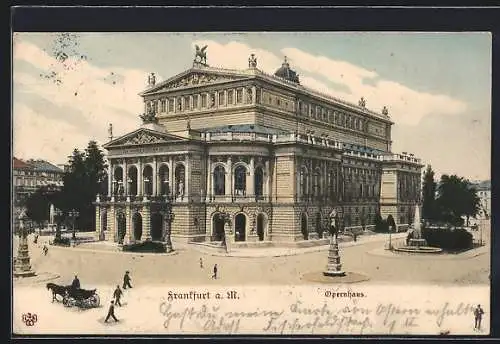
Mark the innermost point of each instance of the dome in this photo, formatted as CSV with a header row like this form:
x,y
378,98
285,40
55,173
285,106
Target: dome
x,y
287,73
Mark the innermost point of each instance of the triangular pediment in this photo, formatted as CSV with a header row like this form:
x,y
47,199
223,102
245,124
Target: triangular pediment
x,y
196,77
143,136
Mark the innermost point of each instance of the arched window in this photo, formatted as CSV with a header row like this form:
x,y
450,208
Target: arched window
x,y
303,182
259,182
132,181
240,180
219,180
317,183
164,180
147,178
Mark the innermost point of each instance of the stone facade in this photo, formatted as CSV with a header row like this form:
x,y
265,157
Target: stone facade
x,y
273,154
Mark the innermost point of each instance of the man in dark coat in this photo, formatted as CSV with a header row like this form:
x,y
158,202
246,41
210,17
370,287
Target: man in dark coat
x,y
126,280
214,276
111,312
117,294
478,316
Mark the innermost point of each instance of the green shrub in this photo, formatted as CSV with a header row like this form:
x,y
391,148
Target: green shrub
x,y
61,241
450,239
145,246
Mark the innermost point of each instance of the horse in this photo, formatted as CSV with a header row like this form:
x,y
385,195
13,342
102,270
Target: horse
x,y
57,290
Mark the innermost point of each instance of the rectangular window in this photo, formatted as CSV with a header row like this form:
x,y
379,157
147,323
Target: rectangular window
x,y
163,105
239,95
187,103
170,105
221,98
230,97
204,100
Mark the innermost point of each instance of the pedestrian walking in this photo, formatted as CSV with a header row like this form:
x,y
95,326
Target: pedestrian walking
x,y
478,316
214,276
45,250
111,312
117,294
126,280
201,263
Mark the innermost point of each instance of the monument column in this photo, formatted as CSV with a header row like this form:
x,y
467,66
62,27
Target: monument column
x,y
146,220
128,226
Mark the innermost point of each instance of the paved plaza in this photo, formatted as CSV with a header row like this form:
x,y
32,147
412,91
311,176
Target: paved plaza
x,y
366,256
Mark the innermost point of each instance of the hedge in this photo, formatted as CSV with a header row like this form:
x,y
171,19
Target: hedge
x,y
451,239
146,246
61,241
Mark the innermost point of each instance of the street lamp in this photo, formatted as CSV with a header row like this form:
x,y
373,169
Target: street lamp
x,y
58,213
73,214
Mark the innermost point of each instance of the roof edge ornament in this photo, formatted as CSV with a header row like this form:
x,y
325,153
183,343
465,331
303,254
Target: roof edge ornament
x,y
149,116
252,61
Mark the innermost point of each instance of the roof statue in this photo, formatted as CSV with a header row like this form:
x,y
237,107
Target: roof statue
x,y
362,102
252,61
201,55
110,131
385,111
149,116
151,79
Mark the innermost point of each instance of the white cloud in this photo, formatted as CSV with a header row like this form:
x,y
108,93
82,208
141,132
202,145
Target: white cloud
x,y
98,96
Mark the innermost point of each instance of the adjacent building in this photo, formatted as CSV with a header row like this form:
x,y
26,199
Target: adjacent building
x,y
483,189
272,156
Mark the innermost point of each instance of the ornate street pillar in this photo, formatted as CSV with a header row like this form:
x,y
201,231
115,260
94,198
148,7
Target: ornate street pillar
x,y
155,177
209,179
251,181
146,220
229,179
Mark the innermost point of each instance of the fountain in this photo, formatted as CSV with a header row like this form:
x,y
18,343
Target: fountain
x,y
417,239
417,244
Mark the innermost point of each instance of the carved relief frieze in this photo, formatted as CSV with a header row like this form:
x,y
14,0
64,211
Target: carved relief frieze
x,y
196,79
143,138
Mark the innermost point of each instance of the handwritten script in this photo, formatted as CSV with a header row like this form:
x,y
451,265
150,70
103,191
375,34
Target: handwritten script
x,y
298,318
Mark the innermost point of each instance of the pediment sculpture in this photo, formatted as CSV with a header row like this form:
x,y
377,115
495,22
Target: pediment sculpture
x,y
197,79
143,138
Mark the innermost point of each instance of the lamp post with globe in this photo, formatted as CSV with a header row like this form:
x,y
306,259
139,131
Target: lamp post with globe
x,y
73,214
169,218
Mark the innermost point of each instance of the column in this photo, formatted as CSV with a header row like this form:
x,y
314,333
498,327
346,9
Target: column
x,y
209,179
234,96
110,178
140,180
244,96
155,177
125,178
128,225
216,105
225,98
251,181
112,225
175,104
146,221
187,177
267,176
254,94
198,101
229,178
171,180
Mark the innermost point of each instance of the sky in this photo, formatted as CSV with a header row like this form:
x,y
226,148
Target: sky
x,y
67,87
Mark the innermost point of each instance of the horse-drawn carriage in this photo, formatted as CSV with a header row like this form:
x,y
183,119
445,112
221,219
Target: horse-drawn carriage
x,y
74,296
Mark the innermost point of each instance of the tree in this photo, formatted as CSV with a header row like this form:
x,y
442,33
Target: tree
x,y
83,181
37,207
428,194
456,198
